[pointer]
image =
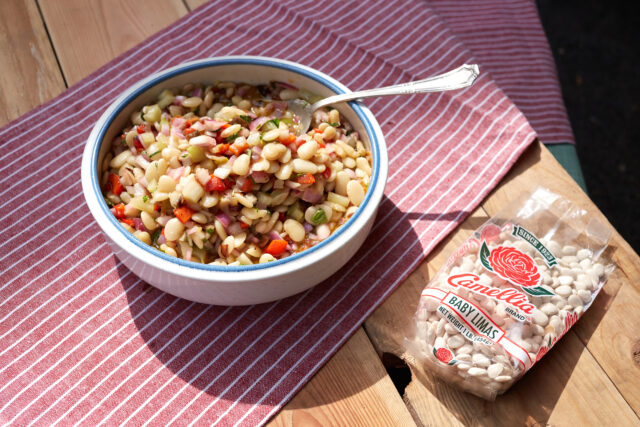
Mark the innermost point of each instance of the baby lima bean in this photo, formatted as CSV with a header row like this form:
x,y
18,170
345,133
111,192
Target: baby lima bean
x,y
448,339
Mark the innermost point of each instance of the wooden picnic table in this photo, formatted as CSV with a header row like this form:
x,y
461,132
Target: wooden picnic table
x,y
591,377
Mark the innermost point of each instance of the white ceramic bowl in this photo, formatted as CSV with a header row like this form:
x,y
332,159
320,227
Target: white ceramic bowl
x,y
233,285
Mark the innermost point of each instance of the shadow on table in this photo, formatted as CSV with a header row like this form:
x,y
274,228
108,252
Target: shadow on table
x,y
210,347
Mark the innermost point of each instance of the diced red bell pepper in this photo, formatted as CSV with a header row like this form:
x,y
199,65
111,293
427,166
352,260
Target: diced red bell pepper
x,y
288,139
221,148
183,213
276,247
307,178
188,131
238,148
141,129
119,210
137,143
244,225
327,173
116,185
246,186
128,221
215,184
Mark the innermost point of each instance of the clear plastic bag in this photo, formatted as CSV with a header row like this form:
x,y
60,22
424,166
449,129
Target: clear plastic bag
x,y
509,293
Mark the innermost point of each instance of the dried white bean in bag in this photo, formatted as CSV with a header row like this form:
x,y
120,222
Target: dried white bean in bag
x,y
507,295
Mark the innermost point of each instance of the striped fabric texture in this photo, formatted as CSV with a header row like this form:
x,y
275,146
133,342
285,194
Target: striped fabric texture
x,y
508,39
82,340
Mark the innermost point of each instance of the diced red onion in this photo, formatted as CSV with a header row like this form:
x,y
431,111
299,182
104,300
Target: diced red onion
x,y
224,219
178,122
255,124
202,176
291,184
242,90
191,231
139,190
137,222
213,125
350,172
162,240
198,126
197,92
274,235
165,129
260,177
311,196
163,220
187,253
307,227
176,174
143,181
234,229
190,224
178,100
253,239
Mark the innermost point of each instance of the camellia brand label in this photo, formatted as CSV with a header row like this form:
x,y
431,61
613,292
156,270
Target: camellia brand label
x,y
516,300
514,266
530,238
469,320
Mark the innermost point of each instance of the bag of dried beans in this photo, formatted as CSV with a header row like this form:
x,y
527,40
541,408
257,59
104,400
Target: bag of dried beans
x,y
509,293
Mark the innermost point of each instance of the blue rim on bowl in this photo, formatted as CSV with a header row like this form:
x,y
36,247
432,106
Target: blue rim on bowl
x,y
361,111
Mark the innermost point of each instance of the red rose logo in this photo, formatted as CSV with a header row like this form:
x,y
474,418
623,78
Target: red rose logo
x,y
515,266
443,355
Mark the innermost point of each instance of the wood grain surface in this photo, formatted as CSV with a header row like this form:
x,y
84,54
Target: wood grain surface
x,y
29,74
88,34
591,377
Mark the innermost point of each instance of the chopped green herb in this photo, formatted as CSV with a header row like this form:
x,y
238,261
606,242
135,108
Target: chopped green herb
x,y
183,156
156,235
157,152
246,118
145,198
275,122
250,177
335,125
108,202
211,230
349,132
320,217
232,137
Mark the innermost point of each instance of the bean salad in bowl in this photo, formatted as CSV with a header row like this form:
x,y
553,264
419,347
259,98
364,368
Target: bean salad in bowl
x,y
217,173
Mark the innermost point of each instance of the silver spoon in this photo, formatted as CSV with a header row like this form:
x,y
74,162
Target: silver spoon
x,y
455,79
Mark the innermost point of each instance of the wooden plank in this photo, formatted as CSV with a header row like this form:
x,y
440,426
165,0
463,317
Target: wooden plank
x,y
29,74
569,385
86,35
192,4
609,327
352,389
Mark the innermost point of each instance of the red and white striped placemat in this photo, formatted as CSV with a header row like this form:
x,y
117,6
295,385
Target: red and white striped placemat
x,y
508,39
83,340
